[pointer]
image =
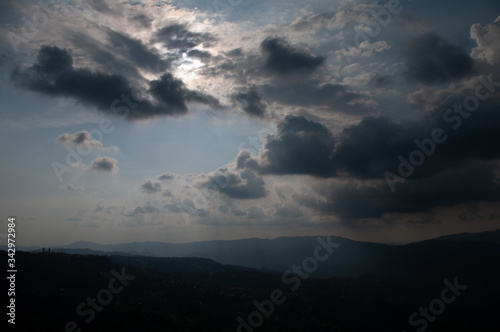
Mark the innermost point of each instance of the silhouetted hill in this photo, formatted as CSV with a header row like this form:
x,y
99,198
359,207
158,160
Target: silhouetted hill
x,y
351,259
85,252
490,236
199,294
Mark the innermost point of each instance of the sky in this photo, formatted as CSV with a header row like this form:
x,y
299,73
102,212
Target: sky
x,y
194,120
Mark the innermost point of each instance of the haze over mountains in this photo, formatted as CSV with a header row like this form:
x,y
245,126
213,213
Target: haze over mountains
x,y
463,254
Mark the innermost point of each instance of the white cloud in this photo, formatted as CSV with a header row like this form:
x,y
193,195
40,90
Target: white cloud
x,y
488,41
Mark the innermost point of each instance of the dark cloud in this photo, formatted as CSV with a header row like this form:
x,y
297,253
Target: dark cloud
x,y
353,200
170,91
251,102
137,52
300,147
376,145
104,164
275,59
199,54
54,75
430,59
151,187
299,90
52,61
285,60
177,36
334,97
370,148
461,169
239,184
173,93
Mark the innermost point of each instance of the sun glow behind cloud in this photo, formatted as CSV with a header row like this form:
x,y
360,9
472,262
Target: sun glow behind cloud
x,y
187,69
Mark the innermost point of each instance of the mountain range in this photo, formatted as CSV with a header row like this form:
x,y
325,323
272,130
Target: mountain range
x,y
465,254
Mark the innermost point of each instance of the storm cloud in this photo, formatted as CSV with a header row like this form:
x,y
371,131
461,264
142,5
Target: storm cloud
x,y
430,59
251,102
284,60
53,74
354,200
177,36
300,147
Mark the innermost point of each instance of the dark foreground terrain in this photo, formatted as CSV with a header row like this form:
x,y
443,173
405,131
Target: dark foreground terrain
x,y
55,292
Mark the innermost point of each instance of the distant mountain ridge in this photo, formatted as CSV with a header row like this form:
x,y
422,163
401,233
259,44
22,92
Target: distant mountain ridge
x,y
463,253
489,236
352,258
85,251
